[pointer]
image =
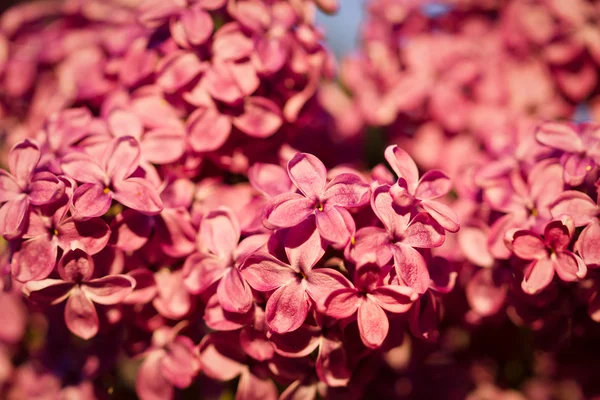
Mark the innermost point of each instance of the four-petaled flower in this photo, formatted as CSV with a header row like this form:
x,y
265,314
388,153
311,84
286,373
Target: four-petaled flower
x,y
369,297
547,254
22,187
110,178
81,290
327,201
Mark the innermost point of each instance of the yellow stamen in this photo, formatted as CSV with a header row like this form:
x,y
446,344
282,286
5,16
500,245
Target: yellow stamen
x,y
588,168
55,232
106,190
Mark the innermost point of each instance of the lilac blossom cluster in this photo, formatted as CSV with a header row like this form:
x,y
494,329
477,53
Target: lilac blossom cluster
x,y
490,92
197,200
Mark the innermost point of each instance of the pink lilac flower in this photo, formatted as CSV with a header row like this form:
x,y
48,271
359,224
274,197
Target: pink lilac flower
x,y
170,362
24,186
295,284
547,253
327,202
110,178
221,254
409,191
81,291
580,144
369,299
52,228
400,239
223,360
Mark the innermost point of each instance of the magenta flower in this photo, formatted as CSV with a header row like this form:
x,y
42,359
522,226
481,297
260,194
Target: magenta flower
x,y
369,297
328,202
76,269
22,187
409,191
159,144
547,254
170,362
331,365
400,238
526,202
580,144
110,178
46,232
295,285
223,359
218,260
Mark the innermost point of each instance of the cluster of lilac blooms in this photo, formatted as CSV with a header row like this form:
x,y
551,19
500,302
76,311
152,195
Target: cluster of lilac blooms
x,y
198,200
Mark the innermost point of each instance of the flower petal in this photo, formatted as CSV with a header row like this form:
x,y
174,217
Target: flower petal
x,y
433,184
208,129
588,244
261,118
559,136
373,324
80,315
200,272
411,268
219,233
308,173
75,266
234,293
34,260
150,384
287,307
528,245
442,214
393,298
557,234
577,205
163,145
122,158
22,160
13,217
265,273
254,387
197,24
139,194
335,226
90,200
9,188
321,282
346,190
270,179
83,168
47,291
403,165
538,275
109,290
569,267
91,235
288,209
44,188
303,245
342,303
423,232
